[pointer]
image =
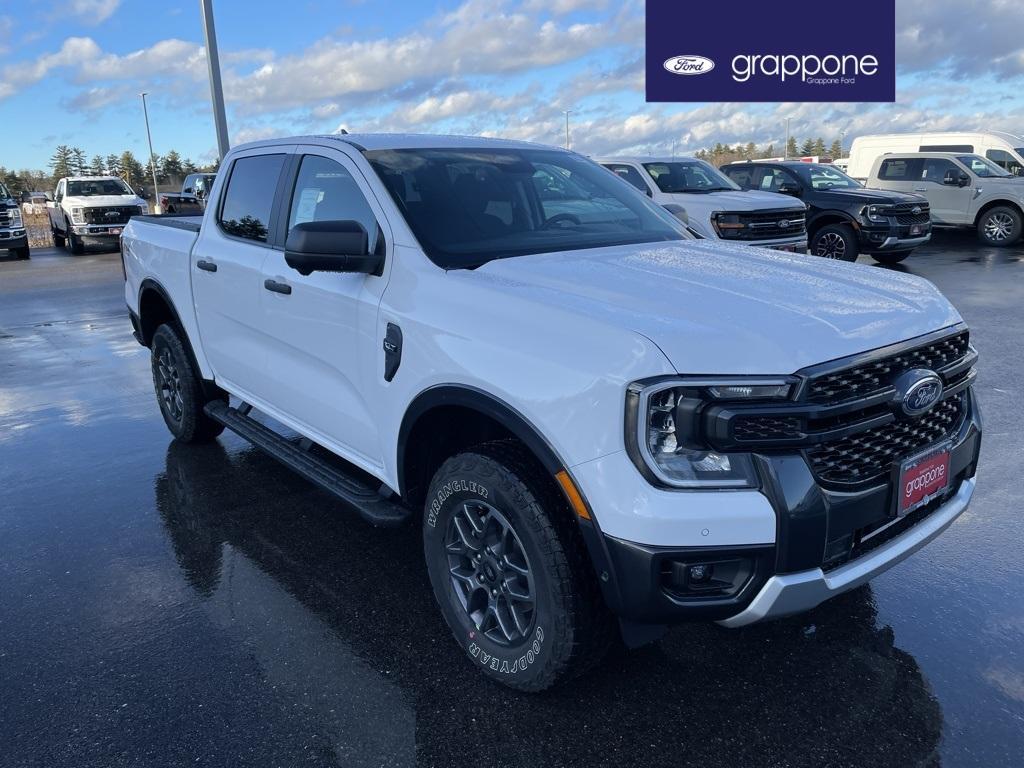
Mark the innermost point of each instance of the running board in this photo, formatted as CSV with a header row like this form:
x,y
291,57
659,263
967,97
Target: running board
x,y
367,500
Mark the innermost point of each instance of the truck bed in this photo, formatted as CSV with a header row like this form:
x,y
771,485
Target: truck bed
x,y
190,222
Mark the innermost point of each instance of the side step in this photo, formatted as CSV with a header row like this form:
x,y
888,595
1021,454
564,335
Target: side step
x,y
374,508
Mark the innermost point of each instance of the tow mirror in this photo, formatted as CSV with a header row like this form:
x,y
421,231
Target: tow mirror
x,y
789,188
330,246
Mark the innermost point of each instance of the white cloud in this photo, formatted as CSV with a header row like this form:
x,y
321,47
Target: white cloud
x,y
93,11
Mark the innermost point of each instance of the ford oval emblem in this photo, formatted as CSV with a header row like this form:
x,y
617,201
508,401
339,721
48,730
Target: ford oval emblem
x,y
918,390
689,65
916,209
783,224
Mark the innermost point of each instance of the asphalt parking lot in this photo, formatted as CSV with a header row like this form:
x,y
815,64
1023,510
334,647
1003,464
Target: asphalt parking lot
x,y
164,605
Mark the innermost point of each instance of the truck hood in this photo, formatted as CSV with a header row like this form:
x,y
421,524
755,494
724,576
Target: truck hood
x,y
95,201
740,200
842,197
717,308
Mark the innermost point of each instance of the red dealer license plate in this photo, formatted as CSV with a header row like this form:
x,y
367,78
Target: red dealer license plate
x,y
922,478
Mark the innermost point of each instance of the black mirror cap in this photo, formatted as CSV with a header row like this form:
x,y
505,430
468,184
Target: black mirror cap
x,y
790,189
330,246
964,179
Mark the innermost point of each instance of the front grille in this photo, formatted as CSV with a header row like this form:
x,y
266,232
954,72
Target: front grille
x,y
913,218
754,428
5,217
875,375
871,454
121,214
768,226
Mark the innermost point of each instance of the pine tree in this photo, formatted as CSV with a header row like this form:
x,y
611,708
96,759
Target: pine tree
x,y
791,149
188,167
769,151
79,165
96,166
131,169
807,148
172,169
750,151
60,163
819,147
836,150
113,164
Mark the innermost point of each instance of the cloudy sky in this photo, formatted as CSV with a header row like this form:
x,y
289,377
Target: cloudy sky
x,y
71,71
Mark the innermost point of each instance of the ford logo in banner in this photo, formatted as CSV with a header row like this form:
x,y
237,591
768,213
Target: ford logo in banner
x,y
689,65
917,391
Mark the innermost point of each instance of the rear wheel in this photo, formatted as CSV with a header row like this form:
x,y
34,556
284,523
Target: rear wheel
x,y
509,569
1000,226
891,257
835,241
179,390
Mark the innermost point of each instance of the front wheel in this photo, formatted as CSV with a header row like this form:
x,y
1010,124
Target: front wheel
x,y
58,238
179,390
1000,226
835,241
509,569
891,257
21,253
75,244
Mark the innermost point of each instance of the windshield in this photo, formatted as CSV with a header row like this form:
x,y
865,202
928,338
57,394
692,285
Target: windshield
x,y
982,167
469,206
688,177
826,177
94,187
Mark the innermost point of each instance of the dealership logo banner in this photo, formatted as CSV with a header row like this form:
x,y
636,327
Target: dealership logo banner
x,y
781,51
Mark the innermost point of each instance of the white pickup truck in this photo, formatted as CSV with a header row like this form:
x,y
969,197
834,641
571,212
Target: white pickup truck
x,y
602,424
91,209
715,206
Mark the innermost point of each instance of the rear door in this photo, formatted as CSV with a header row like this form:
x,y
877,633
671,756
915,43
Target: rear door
x,y
900,174
320,330
227,264
949,202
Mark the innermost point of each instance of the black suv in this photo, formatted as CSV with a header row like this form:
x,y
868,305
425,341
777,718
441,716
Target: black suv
x,y
843,217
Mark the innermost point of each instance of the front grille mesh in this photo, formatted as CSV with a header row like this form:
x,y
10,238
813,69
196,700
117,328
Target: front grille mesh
x,y
98,215
874,376
870,454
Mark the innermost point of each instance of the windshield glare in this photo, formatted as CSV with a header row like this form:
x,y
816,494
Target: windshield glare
x,y
94,187
688,176
469,206
827,177
982,167
4,193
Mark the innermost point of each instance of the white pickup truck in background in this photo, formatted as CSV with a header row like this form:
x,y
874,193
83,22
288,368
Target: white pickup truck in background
x,y
715,206
602,423
91,209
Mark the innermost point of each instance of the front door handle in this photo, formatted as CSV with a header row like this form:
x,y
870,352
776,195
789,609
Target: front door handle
x,y
206,266
276,287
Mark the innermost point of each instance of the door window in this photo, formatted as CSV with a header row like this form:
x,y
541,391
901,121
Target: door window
x,y
59,194
1004,160
630,174
900,170
326,191
249,197
935,169
773,178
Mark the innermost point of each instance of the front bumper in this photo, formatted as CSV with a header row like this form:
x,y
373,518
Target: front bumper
x,y
98,231
13,238
896,237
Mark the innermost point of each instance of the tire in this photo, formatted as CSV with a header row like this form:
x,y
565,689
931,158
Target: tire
x,y
179,390
1000,226
890,258
539,553
835,241
58,238
75,244
21,253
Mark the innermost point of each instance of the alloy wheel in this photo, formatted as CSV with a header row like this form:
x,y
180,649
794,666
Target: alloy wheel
x,y
490,573
169,385
998,226
831,246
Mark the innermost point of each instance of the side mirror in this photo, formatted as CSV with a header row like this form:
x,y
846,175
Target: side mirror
x,y
187,191
951,178
648,192
330,246
789,188
49,197
964,179
679,212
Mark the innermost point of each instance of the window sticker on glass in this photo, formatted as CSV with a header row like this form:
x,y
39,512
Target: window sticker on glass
x,y
306,209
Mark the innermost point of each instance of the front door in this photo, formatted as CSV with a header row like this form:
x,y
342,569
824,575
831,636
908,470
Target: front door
x,y
227,264
949,203
54,210
320,329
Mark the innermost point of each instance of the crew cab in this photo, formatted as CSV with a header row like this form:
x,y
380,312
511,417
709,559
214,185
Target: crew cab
x,y
844,218
964,190
13,235
91,209
601,423
713,205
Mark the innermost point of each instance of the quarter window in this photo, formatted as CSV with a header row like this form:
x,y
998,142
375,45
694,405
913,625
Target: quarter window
x,y
1004,160
326,191
249,197
900,170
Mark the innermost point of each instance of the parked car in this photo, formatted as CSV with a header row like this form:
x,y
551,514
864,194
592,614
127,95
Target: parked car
x,y
192,198
844,218
198,185
963,190
13,235
1003,149
93,209
715,207
601,423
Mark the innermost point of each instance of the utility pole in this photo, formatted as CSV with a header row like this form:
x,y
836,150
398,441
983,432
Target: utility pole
x,y
785,151
216,90
567,111
152,157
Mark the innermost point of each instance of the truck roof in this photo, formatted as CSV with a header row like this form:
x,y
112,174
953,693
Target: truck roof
x,y
644,159
92,178
373,141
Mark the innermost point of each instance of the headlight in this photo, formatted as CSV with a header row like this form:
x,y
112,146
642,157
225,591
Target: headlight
x,y
728,224
77,216
663,432
143,209
16,214
877,213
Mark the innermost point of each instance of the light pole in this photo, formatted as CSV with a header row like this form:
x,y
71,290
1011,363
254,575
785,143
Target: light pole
x,y
216,90
152,158
567,112
785,151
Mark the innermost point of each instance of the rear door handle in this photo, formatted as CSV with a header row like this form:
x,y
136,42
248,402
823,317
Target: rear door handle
x,y
206,266
276,287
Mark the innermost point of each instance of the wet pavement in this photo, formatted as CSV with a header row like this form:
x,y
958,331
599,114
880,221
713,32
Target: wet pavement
x,y
164,605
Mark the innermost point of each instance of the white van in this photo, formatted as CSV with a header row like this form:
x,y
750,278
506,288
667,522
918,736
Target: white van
x,y
1003,149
